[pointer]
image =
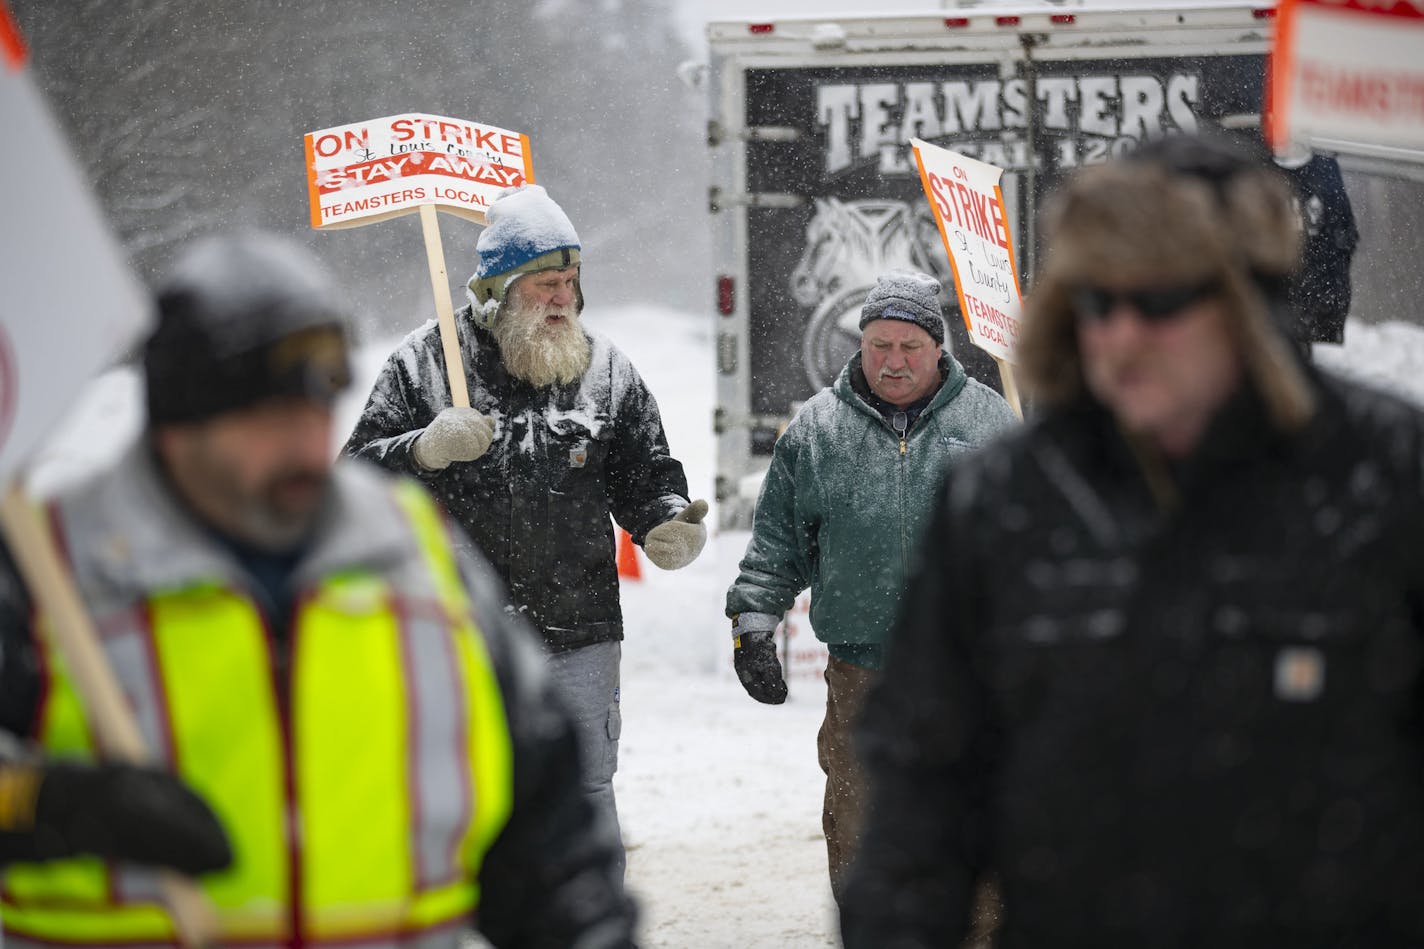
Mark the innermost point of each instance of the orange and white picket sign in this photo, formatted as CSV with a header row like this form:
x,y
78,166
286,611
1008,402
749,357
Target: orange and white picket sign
x,y
374,170
69,306
371,171
968,208
1350,70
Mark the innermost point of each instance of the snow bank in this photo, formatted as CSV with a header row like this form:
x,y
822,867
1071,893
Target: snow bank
x,y
1384,355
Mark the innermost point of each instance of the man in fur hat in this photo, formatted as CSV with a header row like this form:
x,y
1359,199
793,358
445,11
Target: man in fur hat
x,y
1160,667
561,432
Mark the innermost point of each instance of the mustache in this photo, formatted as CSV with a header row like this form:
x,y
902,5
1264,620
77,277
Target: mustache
x,y
305,478
1123,366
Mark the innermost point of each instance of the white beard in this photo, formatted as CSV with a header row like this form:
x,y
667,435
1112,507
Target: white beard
x,y
541,353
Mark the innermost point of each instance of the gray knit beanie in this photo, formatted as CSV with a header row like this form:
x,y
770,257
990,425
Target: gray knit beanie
x,y
906,295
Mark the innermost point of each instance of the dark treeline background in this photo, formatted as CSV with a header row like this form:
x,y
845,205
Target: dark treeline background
x,y
189,117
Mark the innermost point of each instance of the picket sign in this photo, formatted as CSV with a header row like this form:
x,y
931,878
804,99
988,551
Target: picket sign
x,y
372,171
1347,70
69,304
968,208
59,258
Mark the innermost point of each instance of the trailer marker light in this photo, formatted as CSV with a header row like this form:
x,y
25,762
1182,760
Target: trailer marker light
x,y
725,294
1063,18
760,27
956,21
1007,20
1264,13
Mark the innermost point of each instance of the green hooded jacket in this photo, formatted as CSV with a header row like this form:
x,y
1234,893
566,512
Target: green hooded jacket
x,y
844,504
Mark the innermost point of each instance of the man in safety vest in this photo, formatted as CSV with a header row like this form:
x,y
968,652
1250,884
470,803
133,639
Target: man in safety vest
x,y
305,647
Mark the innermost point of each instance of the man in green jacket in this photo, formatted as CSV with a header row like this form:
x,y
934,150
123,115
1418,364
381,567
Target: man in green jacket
x,y
844,503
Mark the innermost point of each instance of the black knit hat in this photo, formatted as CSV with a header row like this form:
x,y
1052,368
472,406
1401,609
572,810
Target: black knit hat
x,y
906,295
243,318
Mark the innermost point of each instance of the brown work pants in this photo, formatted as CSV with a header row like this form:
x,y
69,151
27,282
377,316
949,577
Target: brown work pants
x,y
847,793
846,688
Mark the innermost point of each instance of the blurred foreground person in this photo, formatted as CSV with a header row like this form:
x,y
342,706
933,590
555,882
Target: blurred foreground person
x,y
304,646
1160,668
561,434
844,504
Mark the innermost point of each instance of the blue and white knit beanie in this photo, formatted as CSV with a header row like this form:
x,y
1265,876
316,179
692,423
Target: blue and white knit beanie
x,y
906,295
525,232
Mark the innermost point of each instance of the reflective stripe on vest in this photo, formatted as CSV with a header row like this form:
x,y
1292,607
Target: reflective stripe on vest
x,y
447,937
360,800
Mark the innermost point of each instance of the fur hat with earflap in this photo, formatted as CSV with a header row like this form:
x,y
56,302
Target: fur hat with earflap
x,y
1185,209
525,232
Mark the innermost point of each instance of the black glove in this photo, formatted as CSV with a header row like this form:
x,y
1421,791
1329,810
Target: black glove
x,y
754,657
126,813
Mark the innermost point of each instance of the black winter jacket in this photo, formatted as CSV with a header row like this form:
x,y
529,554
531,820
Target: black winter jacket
x,y
538,502
1320,290
1198,724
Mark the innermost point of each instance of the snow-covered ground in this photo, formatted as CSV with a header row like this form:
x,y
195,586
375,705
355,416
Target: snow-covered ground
x,y
720,796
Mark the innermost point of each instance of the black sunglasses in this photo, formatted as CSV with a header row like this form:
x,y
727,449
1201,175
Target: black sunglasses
x,y
1153,304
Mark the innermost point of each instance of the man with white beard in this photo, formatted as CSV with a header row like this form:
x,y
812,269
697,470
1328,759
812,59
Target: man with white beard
x,y
560,434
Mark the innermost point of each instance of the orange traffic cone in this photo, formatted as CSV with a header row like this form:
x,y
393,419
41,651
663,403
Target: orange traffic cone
x,y
628,568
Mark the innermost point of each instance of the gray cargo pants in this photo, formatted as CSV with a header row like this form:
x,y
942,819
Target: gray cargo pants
x,y
588,677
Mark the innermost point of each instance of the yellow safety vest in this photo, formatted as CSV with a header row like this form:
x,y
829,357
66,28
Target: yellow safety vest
x,y
360,791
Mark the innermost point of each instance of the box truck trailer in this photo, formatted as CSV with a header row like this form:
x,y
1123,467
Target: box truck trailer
x,y
815,192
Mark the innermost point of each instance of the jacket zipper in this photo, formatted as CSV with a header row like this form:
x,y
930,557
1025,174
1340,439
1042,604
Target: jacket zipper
x,y
900,422
283,654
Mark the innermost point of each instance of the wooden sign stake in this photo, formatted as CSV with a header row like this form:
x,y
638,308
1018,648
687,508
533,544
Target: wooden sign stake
x,y
444,308
1011,386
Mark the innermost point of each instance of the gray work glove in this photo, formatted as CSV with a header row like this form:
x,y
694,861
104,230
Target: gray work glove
x,y
754,657
456,434
674,544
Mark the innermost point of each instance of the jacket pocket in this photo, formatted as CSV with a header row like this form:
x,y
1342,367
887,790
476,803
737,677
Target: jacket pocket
x,y
1305,609
1282,621
1068,600
1046,629
578,448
